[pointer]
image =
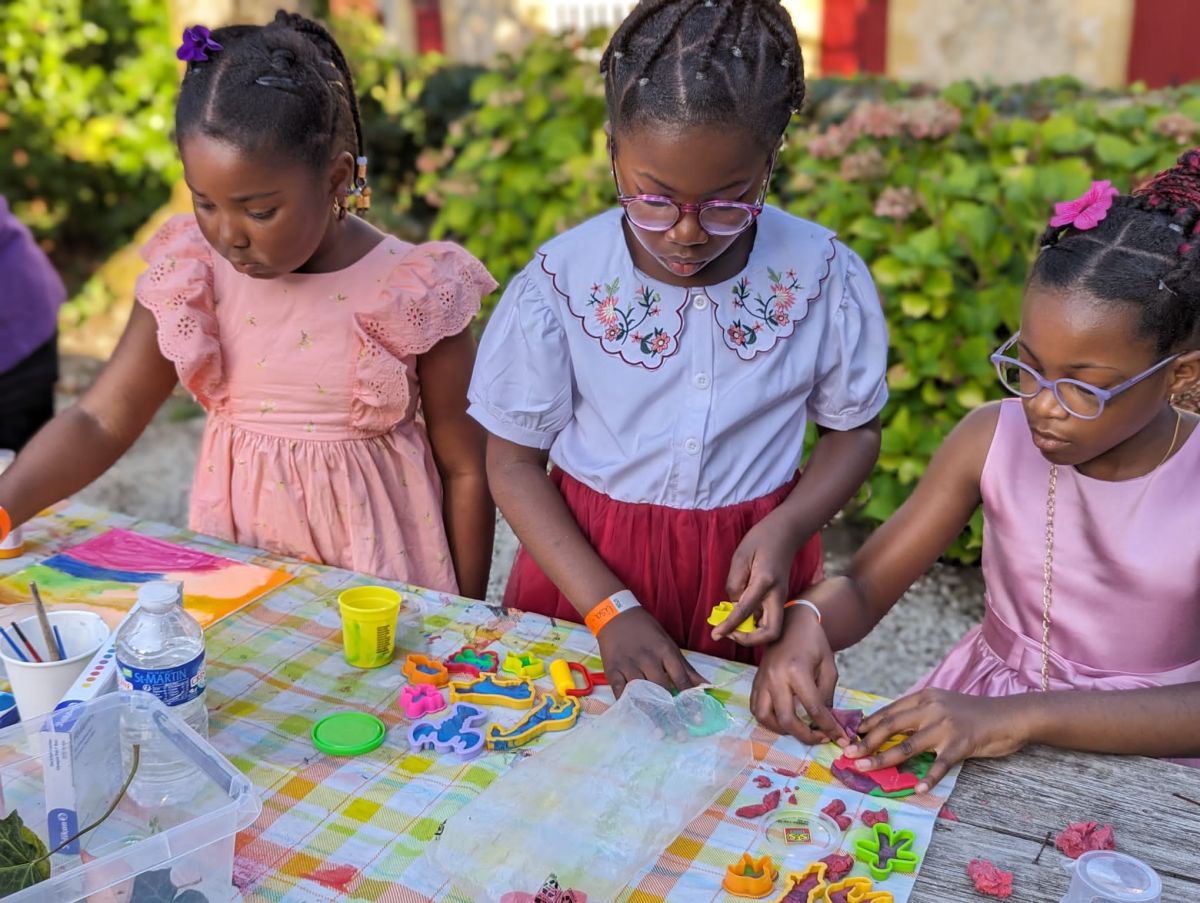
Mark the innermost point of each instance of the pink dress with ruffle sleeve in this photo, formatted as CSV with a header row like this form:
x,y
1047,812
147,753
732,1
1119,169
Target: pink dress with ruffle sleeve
x,y
315,446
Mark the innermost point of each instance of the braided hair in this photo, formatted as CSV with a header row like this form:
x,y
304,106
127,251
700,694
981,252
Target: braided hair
x,y
284,88
705,62
1146,251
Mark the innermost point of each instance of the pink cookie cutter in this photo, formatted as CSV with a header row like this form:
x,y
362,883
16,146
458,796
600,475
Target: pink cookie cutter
x,y
421,699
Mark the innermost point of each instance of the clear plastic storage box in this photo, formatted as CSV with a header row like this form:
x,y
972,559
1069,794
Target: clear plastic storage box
x,y
64,771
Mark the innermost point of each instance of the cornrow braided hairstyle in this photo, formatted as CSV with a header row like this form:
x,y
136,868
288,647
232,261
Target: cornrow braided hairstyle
x,y
1146,251
281,88
705,62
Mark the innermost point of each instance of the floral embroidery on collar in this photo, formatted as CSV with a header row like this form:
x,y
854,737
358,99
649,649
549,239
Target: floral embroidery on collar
x,y
757,318
640,330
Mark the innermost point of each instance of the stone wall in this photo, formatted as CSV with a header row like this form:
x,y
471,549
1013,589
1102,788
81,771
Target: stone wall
x,y
1005,41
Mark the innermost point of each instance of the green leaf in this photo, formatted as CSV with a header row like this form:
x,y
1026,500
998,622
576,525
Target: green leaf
x,y
1063,134
154,887
914,305
24,859
1117,151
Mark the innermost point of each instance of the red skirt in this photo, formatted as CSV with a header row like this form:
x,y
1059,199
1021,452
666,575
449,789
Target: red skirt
x,y
675,560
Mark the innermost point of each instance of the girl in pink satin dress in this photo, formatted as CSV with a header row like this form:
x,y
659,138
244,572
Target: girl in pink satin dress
x,y
1088,480
332,359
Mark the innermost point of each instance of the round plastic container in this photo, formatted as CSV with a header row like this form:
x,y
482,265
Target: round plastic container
x,y
1104,876
794,838
369,625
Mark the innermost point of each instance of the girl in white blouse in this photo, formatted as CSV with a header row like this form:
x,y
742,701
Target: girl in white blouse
x,y
668,354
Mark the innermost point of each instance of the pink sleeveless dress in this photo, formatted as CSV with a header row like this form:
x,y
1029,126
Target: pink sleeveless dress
x,y
315,447
1126,605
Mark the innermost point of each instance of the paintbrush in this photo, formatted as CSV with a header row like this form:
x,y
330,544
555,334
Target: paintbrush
x,y
47,632
16,628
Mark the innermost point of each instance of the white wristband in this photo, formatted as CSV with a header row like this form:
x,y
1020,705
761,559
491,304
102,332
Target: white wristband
x,y
806,604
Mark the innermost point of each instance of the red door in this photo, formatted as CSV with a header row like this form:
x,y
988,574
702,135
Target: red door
x,y
1165,47
854,36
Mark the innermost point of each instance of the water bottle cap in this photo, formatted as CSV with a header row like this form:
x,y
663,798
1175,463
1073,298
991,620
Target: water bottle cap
x,y
159,595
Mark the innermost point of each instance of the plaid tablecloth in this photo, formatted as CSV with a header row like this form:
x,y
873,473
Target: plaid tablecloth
x,y
357,828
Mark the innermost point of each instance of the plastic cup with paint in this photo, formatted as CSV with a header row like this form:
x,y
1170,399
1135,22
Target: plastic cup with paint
x,y
369,625
14,544
39,686
1105,876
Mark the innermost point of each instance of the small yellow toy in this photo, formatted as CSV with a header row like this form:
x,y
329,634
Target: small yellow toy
x,y
721,612
524,666
807,886
855,890
750,878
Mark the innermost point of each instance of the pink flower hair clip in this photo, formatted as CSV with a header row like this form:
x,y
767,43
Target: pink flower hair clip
x,y
1089,210
197,45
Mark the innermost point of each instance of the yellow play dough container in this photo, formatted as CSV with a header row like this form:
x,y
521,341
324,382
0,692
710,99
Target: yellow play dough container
x,y
369,625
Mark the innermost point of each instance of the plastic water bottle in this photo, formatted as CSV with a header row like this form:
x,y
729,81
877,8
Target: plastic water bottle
x,y
160,649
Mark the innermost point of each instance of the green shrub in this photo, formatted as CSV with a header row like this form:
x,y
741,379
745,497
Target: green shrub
x,y
86,105
943,193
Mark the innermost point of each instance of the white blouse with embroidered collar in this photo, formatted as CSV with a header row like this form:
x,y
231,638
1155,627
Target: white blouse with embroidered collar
x,y
689,398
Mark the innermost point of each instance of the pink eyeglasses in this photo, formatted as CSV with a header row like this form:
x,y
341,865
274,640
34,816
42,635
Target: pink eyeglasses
x,y
656,213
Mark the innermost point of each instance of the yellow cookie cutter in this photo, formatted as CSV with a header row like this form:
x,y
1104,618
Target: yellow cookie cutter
x,y
551,715
488,689
721,612
751,878
793,881
524,666
860,890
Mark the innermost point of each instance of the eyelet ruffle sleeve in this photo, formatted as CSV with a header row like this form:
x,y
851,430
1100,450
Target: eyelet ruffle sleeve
x,y
177,289
433,292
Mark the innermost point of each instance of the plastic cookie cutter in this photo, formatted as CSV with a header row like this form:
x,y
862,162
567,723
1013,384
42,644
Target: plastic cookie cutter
x,y
458,734
421,699
807,886
421,669
721,612
855,890
886,850
750,878
892,782
563,672
529,666
471,661
487,689
551,715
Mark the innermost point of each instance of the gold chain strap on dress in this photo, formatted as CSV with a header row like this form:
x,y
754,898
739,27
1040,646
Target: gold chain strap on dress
x,y
1048,567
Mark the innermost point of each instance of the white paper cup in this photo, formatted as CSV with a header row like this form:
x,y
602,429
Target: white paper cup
x,y
39,687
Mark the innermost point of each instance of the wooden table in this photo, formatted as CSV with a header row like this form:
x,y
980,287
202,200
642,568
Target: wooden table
x,y
1005,808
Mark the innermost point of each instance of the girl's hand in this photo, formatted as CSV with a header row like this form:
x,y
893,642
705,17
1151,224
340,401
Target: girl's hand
x,y
758,584
953,725
799,668
633,645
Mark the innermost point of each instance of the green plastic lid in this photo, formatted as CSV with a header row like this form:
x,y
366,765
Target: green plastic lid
x,y
348,734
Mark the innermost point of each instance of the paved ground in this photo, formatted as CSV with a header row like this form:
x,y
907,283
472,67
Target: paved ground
x,y
152,481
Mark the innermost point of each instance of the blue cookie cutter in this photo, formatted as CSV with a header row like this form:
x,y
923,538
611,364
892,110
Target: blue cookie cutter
x,y
458,733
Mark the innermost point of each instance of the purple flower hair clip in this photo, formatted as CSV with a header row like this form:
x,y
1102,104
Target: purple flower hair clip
x,y
1089,210
197,44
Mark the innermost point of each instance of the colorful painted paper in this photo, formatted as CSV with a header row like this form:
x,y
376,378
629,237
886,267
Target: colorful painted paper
x,y
103,575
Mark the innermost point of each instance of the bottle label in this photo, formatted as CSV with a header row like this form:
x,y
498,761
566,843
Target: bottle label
x,y
174,686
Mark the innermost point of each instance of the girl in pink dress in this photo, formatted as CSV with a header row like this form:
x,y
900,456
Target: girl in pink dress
x,y
1091,636
332,359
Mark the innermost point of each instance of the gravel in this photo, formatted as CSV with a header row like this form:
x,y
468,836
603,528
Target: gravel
x,y
152,481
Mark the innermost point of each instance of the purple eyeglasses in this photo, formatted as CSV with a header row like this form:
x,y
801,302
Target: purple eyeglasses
x,y
656,213
1079,399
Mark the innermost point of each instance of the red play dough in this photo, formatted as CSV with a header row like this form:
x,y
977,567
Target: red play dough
x,y
838,866
1082,837
872,818
762,782
990,880
890,779
769,802
837,811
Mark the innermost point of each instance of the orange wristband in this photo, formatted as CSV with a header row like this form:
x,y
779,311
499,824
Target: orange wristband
x,y
597,619
5,524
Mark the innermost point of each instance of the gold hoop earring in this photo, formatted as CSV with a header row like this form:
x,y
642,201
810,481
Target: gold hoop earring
x,y
339,209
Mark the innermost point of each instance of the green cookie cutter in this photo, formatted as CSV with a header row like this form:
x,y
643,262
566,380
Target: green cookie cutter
x,y
887,850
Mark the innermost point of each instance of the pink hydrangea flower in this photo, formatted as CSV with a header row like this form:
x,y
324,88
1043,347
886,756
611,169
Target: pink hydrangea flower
x,y
1088,211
